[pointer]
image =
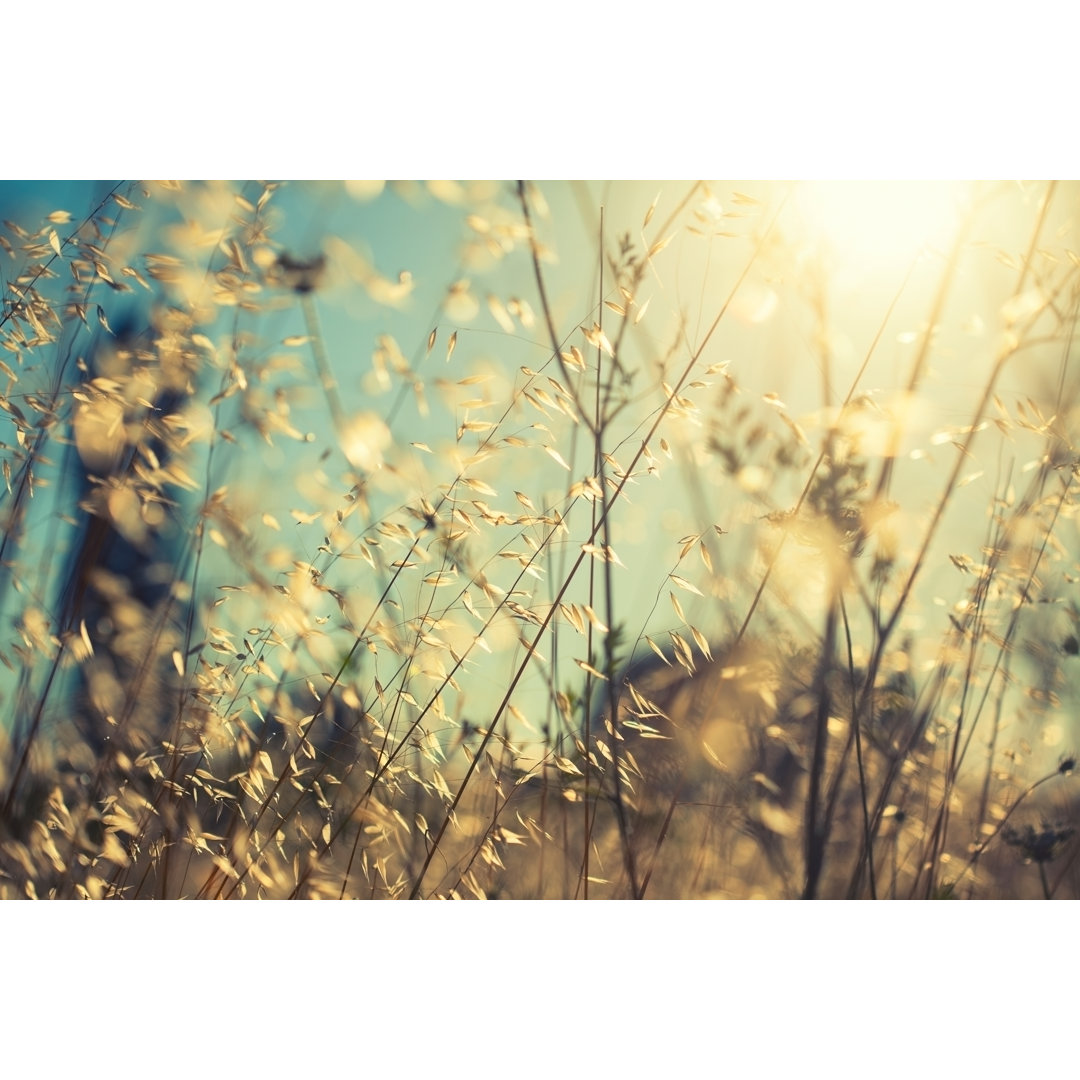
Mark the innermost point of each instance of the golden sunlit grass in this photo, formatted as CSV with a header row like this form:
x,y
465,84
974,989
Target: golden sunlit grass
x,y
727,549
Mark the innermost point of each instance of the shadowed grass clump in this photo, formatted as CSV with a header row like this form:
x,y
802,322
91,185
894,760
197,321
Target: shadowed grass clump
x,y
681,554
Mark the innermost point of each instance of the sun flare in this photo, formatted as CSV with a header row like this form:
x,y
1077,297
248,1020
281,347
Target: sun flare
x,y
874,226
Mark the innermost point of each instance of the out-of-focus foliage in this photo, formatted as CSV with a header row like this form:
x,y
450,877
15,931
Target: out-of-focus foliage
x,y
522,540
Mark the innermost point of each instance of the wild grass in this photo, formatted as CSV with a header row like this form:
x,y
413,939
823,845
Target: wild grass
x,y
619,620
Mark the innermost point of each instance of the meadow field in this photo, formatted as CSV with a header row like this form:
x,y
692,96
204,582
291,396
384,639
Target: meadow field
x,y
531,540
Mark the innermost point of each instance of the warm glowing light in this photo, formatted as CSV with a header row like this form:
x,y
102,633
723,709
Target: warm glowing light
x,y
877,225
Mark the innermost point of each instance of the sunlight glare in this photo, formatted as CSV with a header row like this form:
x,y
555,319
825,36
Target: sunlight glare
x,y
878,226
